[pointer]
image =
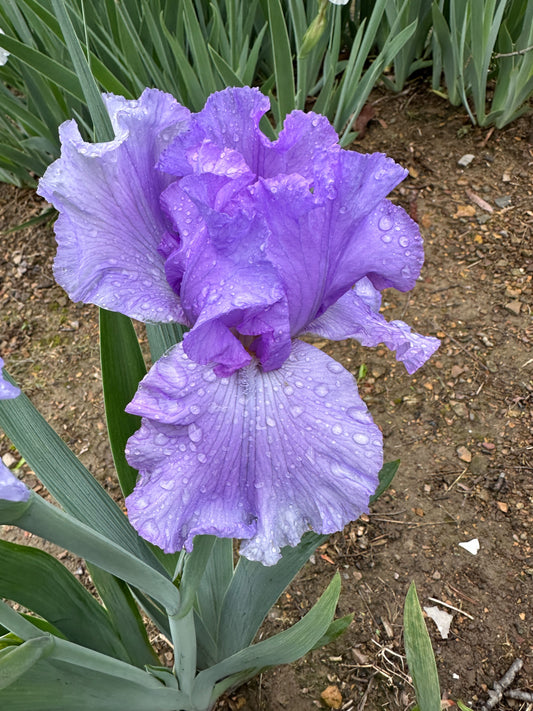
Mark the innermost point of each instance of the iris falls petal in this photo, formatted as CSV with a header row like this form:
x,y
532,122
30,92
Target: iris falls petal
x,y
259,456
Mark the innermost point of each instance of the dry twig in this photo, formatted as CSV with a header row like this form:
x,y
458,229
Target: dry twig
x,y
499,687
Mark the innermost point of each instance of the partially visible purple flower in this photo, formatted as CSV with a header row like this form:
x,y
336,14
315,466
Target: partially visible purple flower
x,y
7,390
11,488
200,219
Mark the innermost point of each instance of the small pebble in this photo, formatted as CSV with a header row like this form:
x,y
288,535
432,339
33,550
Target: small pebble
x,y
503,201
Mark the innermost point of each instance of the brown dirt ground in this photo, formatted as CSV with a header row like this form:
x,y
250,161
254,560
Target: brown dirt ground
x,y
461,425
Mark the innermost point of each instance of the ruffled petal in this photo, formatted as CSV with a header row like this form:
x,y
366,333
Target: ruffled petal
x,y
307,145
7,390
11,488
229,119
352,316
260,456
325,238
110,222
228,288
367,235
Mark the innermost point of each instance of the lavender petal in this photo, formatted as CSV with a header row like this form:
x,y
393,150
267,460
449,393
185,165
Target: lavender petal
x,y
110,222
259,456
352,316
7,390
11,488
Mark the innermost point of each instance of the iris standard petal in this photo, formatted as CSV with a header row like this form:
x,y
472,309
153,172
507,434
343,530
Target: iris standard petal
x,y
11,488
260,456
229,289
7,390
367,235
307,145
352,316
110,222
229,119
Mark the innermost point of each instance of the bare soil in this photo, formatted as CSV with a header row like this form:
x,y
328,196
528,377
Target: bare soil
x,y
461,425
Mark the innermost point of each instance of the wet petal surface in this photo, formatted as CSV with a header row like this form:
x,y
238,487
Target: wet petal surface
x,y
352,316
259,456
110,221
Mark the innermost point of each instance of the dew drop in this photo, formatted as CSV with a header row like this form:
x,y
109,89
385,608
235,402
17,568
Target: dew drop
x,y
360,438
270,422
195,433
386,238
385,223
335,367
404,241
321,390
296,411
337,429
195,410
202,458
288,390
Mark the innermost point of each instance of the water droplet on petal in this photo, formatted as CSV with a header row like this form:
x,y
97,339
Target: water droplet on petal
x,y
385,223
296,411
360,438
337,429
202,458
194,432
321,390
335,367
270,422
404,241
386,238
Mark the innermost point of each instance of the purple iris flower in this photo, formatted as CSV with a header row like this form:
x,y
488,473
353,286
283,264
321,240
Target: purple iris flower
x,y
247,432
7,390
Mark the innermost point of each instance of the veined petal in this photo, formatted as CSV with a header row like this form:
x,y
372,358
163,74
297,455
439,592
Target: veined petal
x,y
352,316
229,119
7,390
11,488
110,222
260,456
367,235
